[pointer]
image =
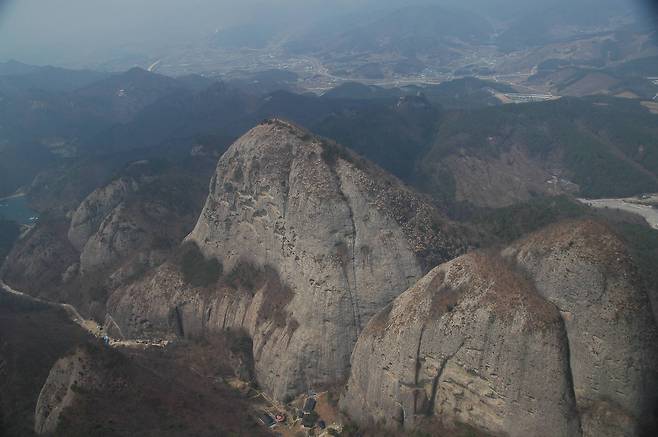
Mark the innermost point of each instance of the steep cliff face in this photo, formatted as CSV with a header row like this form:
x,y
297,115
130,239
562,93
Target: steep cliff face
x,y
70,373
118,232
341,237
141,212
554,337
473,343
248,299
88,217
585,270
40,259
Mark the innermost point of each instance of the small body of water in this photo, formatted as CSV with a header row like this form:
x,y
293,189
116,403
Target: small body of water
x,y
16,209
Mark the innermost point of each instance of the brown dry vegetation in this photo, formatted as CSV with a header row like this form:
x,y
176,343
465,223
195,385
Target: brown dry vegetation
x,y
33,336
513,291
36,264
429,427
196,269
497,283
594,240
444,297
173,391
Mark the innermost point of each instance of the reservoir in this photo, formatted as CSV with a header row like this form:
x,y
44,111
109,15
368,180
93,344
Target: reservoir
x,y
15,209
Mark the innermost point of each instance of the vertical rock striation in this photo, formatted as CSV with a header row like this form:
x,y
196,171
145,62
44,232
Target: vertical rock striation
x,y
341,237
470,343
585,270
553,337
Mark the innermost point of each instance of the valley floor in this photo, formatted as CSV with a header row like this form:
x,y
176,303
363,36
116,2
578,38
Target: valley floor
x,y
645,208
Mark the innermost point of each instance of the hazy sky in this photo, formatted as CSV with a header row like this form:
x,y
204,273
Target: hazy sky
x,y
63,32
34,30
44,29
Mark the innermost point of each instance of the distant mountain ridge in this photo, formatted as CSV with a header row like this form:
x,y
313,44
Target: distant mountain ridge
x,y
410,130
16,77
409,30
157,223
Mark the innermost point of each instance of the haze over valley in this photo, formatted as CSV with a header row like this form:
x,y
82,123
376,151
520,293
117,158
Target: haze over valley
x,y
352,218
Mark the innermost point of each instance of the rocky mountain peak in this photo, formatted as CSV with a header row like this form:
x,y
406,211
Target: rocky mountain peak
x,y
552,336
342,237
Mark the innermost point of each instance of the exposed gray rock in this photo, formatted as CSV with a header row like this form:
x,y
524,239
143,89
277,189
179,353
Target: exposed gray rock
x,y
163,305
472,343
559,339
124,227
119,235
342,238
39,260
585,270
68,374
93,210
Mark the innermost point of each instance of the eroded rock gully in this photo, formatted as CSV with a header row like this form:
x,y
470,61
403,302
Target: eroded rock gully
x,y
554,336
342,238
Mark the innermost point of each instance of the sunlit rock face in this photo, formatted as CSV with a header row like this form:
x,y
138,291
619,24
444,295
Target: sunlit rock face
x,y
342,238
553,336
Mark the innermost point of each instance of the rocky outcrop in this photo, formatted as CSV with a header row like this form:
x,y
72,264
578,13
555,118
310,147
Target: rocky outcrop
x,y
68,375
341,237
121,225
162,304
121,234
89,216
554,337
473,343
585,270
249,300
39,260
118,232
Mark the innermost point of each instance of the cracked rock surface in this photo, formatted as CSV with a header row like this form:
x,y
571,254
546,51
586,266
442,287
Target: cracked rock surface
x,y
585,270
554,337
343,238
471,343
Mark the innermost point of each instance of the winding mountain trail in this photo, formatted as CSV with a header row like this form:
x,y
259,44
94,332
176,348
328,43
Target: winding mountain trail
x,y
91,326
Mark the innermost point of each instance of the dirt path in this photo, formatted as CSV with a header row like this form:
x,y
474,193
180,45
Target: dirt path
x,y
90,326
